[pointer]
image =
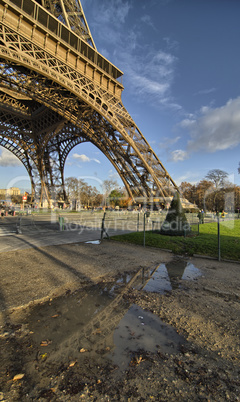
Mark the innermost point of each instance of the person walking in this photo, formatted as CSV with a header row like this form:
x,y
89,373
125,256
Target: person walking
x,y
223,214
199,215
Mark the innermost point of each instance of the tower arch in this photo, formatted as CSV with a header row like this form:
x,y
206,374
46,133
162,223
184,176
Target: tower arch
x,y
55,88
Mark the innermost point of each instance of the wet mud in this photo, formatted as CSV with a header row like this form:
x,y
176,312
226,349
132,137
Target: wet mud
x,y
154,334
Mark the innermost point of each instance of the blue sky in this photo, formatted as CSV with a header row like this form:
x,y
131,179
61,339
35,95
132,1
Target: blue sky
x,y
181,69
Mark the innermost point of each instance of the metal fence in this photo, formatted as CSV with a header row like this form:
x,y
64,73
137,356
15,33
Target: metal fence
x,y
108,223
126,221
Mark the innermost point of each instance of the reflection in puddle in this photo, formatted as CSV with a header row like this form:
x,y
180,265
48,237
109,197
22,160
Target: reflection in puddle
x,y
142,330
97,323
191,272
160,281
124,279
166,277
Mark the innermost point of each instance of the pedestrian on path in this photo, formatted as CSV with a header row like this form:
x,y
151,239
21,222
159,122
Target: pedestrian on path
x,y
200,216
223,215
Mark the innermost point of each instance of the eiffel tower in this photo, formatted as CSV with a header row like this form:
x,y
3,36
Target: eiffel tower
x,y
57,91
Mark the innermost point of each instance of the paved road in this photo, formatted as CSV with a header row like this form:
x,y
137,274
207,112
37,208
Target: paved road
x,y
40,232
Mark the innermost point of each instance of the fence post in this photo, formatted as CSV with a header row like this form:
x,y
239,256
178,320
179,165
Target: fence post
x,y
61,223
144,215
219,250
102,230
138,222
18,225
103,227
144,220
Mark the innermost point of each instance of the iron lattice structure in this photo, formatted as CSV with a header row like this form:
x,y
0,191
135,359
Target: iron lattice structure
x,y
57,91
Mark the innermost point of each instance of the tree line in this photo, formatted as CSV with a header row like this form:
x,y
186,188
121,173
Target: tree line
x,y
213,193
83,195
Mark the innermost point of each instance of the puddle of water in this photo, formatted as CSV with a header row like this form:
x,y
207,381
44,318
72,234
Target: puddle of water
x,y
124,279
166,277
159,282
142,330
62,317
97,323
191,272
93,242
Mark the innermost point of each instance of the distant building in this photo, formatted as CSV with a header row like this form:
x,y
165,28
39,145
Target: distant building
x,y
13,191
8,192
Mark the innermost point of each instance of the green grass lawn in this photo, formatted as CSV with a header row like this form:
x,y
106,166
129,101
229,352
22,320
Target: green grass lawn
x,y
206,243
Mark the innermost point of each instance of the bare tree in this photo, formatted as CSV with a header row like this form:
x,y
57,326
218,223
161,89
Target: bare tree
x,y
81,193
218,177
108,186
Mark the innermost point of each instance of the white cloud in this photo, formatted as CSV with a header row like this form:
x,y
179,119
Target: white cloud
x,y
113,10
166,142
148,71
205,109
96,160
109,16
178,155
186,123
146,85
7,158
206,91
84,158
150,74
217,129
171,44
146,19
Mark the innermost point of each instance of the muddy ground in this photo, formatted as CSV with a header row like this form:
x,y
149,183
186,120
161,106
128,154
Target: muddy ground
x,y
62,320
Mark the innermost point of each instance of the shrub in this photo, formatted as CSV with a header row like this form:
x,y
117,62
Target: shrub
x,y
176,223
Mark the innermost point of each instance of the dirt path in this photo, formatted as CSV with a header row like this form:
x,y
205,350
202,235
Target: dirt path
x,y
37,273
46,283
